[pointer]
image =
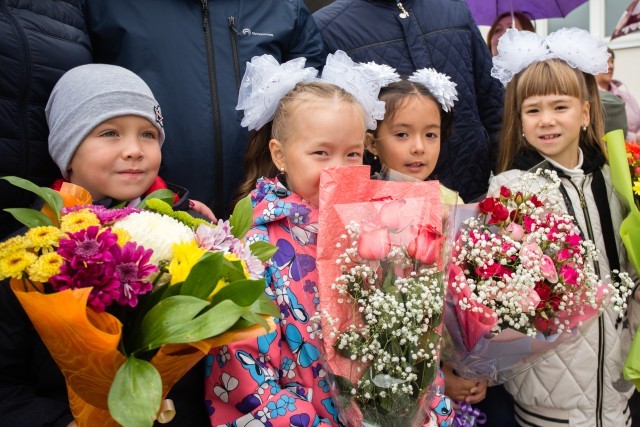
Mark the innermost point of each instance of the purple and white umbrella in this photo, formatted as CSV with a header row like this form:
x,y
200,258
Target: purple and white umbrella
x,y
486,11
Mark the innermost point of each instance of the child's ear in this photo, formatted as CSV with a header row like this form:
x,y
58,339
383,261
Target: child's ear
x,y
277,153
370,144
586,116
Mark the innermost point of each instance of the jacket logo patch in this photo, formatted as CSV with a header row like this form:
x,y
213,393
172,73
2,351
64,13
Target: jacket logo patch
x,y
248,32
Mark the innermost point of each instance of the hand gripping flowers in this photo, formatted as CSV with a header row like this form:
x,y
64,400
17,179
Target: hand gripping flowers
x,y
522,266
128,300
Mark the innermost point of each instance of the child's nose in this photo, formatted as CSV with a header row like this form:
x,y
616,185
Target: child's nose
x,y
417,146
132,148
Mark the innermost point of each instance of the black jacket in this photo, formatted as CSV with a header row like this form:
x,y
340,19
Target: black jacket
x,y
39,41
440,34
193,54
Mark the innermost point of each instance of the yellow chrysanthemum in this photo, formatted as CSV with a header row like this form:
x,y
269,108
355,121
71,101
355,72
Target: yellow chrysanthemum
x,y
45,266
12,244
185,256
636,187
44,238
15,263
234,257
123,235
79,220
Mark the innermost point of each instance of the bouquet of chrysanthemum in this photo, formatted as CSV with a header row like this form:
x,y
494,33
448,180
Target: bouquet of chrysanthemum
x,y
521,281
128,300
624,160
381,262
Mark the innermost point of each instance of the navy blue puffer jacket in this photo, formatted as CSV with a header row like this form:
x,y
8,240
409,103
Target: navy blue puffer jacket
x,y
440,34
192,54
39,41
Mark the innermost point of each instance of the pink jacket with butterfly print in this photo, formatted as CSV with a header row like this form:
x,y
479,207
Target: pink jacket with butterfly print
x,y
277,379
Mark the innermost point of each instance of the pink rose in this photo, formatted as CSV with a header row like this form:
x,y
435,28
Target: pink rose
x,y
529,224
389,214
530,253
374,244
564,254
488,270
515,231
427,245
573,240
548,269
531,300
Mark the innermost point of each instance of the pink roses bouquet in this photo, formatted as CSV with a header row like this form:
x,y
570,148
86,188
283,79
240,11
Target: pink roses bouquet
x,y
521,281
382,264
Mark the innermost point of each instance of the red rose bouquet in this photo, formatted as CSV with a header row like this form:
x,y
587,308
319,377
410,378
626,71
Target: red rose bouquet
x,y
128,300
382,263
521,281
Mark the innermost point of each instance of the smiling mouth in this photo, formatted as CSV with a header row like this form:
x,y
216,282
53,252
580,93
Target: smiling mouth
x,y
415,165
550,136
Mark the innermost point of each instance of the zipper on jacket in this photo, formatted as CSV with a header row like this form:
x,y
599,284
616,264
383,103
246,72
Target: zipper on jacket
x,y
601,336
22,103
233,33
217,125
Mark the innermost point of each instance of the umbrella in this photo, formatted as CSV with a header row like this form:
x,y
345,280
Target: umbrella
x,y
486,11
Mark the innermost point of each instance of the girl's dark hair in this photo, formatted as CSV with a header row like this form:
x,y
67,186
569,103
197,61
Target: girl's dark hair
x,y
397,93
257,161
550,77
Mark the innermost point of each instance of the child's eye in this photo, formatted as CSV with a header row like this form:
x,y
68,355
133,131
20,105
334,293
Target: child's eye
x,y
402,134
320,153
431,135
531,111
561,107
151,135
354,154
109,133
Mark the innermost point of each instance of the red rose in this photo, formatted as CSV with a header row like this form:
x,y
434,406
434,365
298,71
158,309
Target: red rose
x,y
543,291
534,199
499,214
505,192
543,325
427,245
486,206
554,302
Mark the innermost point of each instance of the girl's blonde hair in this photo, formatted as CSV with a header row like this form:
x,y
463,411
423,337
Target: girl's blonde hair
x,y
258,162
549,77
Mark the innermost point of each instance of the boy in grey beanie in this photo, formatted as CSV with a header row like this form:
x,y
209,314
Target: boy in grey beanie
x,y
84,99
105,134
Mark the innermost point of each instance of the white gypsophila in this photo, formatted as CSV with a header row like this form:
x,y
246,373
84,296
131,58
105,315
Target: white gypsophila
x,y
157,232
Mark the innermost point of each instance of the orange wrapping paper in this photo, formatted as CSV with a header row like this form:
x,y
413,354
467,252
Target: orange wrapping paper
x,y
84,345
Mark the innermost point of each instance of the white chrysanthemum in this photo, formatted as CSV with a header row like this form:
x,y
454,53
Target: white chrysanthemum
x,y
157,232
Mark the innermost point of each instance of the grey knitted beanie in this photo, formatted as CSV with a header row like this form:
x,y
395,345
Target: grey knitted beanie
x,y
89,95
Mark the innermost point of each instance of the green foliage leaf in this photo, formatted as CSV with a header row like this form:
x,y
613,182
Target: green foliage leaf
x,y
30,217
50,197
234,270
263,250
264,305
253,318
243,292
136,394
204,276
167,319
242,218
165,195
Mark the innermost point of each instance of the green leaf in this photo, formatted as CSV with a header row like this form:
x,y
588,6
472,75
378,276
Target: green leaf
x,y
242,218
50,197
256,319
167,318
30,217
165,195
243,292
204,276
263,250
135,394
264,305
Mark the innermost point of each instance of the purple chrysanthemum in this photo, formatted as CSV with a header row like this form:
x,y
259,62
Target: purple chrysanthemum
x,y
87,246
100,276
131,267
105,216
215,238
254,265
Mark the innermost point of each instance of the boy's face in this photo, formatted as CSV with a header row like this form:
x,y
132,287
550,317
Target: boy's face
x,y
119,158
